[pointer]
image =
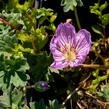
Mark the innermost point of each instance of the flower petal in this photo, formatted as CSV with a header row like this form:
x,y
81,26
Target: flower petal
x,y
83,42
59,65
55,50
53,43
58,56
78,61
66,33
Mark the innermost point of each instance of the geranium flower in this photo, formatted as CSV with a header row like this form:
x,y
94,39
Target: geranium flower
x,y
69,49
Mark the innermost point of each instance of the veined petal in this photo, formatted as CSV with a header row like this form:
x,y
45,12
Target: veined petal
x,y
82,47
55,47
65,26
78,61
59,65
53,43
83,42
57,53
58,56
57,59
66,33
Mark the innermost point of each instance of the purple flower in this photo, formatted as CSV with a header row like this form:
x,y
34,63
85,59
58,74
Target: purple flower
x,y
68,47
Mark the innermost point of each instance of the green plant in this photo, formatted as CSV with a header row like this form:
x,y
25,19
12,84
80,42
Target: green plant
x,y
98,9
95,82
23,36
104,94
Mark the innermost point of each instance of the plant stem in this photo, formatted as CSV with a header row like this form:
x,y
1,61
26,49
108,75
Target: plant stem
x,y
72,93
77,18
71,104
30,87
95,66
8,23
33,44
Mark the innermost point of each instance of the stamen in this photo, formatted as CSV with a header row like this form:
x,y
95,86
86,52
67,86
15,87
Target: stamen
x,y
62,50
70,54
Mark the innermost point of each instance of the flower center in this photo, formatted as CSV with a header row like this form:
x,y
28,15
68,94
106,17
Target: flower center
x,y
68,53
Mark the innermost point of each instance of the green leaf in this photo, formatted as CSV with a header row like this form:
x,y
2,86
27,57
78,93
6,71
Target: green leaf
x,y
52,18
4,101
17,96
51,27
105,19
54,70
19,50
7,38
1,74
17,81
103,6
14,69
96,12
15,106
36,69
24,66
24,37
54,104
106,93
70,5
102,78
40,38
99,94
2,84
97,29
95,73
79,2
14,4
38,105
33,105
95,9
